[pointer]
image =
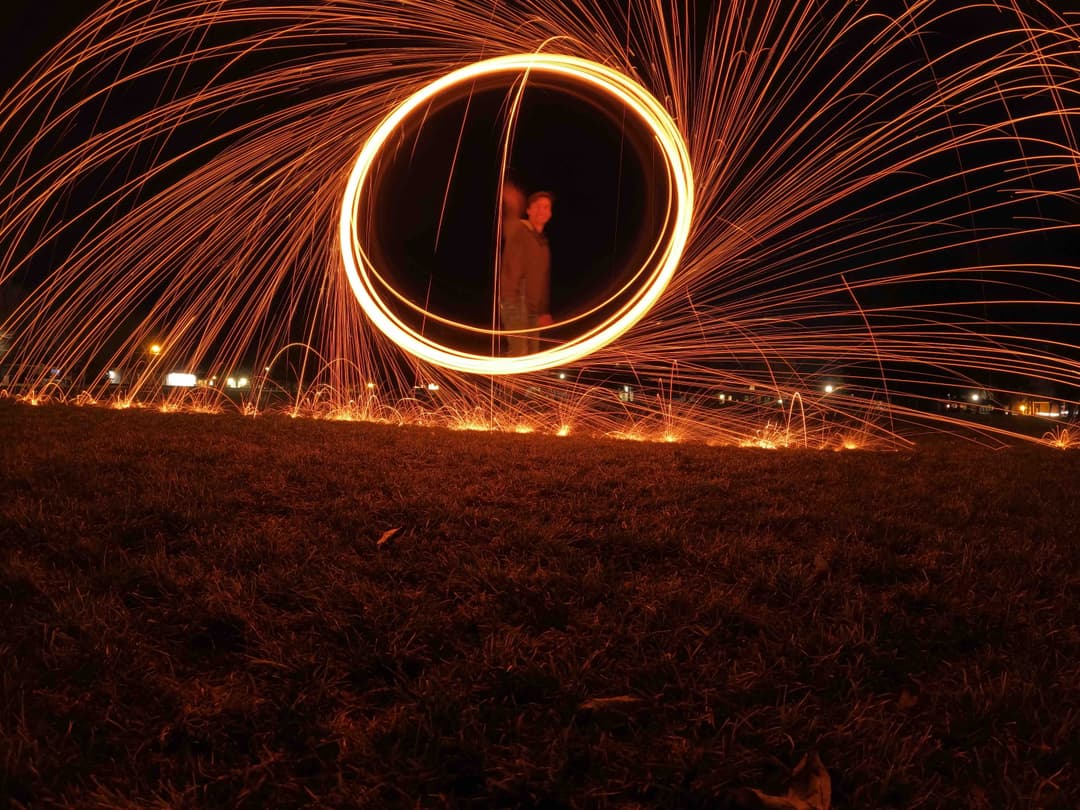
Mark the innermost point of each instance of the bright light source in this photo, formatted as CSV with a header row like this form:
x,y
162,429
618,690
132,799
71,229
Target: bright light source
x,y
974,397
626,388
365,279
432,386
1023,409
562,375
155,349
115,376
243,382
829,389
371,386
229,383
180,379
266,369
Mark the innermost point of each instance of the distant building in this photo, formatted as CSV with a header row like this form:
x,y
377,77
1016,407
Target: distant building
x,y
973,401
1036,405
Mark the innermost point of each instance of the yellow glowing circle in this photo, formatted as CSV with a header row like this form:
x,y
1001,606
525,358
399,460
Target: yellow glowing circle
x,y
360,271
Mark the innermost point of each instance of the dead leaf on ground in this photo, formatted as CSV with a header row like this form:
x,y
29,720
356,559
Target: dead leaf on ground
x,y
810,789
387,536
821,565
907,699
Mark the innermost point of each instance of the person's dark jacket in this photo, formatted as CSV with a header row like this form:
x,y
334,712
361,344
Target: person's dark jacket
x,y
526,268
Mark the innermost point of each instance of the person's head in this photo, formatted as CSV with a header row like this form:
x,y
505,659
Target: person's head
x,y
513,201
538,209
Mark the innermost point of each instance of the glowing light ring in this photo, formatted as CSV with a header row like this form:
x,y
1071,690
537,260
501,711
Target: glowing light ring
x,y
359,269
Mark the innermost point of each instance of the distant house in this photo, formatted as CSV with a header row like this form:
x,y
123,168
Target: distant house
x,y
1046,407
1039,406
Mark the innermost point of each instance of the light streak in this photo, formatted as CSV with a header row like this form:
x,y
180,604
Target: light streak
x,y
862,202
359,268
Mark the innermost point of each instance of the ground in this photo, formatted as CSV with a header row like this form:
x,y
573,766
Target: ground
x,y
225,611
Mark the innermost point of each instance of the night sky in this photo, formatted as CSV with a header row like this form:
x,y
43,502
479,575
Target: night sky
x,y
602,169
30,29
596,164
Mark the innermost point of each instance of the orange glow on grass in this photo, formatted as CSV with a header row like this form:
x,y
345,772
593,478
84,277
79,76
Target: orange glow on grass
x,y
472,425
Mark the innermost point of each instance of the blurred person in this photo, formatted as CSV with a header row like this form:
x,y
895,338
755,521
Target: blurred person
x,y
512,205
512,312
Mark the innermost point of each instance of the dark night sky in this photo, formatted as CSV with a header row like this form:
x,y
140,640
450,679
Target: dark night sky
x,y
564,147
31,27
598,166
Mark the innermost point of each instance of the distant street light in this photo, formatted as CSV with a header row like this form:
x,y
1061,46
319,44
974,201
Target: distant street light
x,y
155,349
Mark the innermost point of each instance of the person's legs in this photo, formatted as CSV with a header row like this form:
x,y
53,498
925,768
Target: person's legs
x,y
514,317
532,339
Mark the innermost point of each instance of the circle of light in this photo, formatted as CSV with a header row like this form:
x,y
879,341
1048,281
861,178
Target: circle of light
x,y
358,267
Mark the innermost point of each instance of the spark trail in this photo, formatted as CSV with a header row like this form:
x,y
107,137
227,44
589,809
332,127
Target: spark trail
x,y
885,193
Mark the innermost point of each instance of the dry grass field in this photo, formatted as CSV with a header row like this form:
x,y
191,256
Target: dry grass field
x,y
197,611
